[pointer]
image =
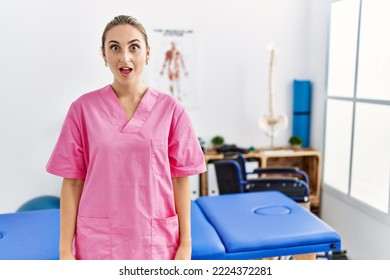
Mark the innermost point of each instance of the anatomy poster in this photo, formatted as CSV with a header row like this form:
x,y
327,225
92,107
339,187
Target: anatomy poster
x,y
173,65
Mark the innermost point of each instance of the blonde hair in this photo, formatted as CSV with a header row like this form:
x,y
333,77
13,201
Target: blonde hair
x,y
123,19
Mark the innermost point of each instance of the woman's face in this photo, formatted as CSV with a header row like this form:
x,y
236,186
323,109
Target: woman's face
x,y
125,52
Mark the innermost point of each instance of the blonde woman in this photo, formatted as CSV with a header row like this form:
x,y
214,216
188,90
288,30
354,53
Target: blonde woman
x,y
125,153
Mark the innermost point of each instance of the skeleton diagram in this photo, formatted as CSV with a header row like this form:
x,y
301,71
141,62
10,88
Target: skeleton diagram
x,y
175,64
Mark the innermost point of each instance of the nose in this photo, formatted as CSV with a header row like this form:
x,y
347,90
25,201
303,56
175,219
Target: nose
x,y
126,56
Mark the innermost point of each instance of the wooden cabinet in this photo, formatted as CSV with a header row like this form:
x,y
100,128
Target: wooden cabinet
x,y
305,159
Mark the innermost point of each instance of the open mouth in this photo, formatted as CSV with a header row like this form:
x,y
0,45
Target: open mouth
x,y
125,70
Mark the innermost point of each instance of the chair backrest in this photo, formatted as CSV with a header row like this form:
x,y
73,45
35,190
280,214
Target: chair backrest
x,y
239,158
229,176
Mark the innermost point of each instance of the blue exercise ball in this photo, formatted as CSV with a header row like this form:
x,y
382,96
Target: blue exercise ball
x,y
41,203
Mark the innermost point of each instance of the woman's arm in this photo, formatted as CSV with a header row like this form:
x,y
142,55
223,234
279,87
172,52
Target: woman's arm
x,y
69,203
181,188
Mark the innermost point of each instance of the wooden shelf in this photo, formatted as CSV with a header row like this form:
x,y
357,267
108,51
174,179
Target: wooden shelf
x,y
307,160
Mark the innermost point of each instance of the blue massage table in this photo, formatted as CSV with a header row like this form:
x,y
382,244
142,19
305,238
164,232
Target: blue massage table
x,y
232,226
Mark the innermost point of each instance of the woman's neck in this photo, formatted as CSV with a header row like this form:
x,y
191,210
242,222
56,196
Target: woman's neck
x,y
129,96
130,90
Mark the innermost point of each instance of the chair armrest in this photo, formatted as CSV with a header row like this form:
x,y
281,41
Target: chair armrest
x,y
283,184
276,170
281,170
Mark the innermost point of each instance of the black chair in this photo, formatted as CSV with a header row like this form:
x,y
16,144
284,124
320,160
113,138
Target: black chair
x,y
232,177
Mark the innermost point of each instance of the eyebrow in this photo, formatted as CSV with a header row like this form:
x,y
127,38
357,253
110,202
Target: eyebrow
x,y
116,42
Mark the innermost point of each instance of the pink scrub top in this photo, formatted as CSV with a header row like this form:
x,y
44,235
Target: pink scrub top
x,y
127,208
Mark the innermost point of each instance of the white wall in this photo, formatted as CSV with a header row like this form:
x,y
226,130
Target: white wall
x,y
317,64
364,237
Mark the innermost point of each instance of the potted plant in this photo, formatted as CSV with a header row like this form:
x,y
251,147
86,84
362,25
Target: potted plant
x,y
217,141
295,142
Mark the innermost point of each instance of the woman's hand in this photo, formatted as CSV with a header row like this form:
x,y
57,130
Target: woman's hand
x,y
67,256
181,189
70,198
184,252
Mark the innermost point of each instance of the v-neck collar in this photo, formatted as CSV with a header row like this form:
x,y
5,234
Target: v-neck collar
x,y
134,124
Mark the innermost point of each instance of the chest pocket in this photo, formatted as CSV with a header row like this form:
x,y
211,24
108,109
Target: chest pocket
x,y
159,154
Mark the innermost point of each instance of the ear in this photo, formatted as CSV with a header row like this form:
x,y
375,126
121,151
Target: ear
x,y
148,53
104,56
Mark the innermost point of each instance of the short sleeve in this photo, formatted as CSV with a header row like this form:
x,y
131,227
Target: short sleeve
x,y
67,159
185,153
